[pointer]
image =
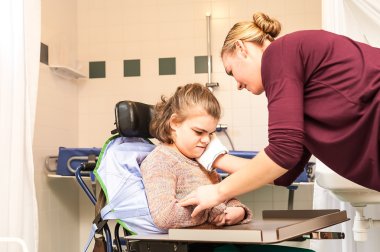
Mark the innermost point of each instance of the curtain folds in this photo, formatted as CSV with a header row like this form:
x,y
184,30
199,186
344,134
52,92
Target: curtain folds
x,y
365,19
20,23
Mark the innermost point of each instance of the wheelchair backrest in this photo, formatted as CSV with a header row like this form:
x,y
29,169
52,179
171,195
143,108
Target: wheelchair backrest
x,y
118,169
132,119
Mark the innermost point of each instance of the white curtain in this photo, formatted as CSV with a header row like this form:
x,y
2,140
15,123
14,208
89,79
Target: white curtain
x,y
20,28
359,20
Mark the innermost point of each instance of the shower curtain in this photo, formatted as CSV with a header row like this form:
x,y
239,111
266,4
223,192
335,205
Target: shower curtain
x,y
20,28
359,20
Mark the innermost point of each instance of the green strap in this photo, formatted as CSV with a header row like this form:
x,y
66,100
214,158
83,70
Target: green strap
x,y
102,185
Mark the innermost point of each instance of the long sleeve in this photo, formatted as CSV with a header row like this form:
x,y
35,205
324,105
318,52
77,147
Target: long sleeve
x,y
168,176
288,178
161,187
284,86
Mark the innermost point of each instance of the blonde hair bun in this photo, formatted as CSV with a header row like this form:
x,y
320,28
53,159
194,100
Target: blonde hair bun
x,y
267,24
261,29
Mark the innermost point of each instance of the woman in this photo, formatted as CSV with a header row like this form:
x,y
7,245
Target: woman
x,y
323,94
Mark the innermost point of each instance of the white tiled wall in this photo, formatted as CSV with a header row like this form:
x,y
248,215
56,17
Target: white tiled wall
x,y
148,30
80,113
56,125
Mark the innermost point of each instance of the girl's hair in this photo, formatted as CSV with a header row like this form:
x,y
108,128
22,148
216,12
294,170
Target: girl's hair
x,y
190,96
261,28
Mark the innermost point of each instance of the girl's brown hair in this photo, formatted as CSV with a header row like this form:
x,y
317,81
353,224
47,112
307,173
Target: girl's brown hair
x,y
261,28
185,98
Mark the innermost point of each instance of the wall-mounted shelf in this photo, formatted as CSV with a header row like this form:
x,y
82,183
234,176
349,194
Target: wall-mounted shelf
x,y
67,72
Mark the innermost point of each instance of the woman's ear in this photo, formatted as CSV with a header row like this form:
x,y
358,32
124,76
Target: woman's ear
x,y
241,48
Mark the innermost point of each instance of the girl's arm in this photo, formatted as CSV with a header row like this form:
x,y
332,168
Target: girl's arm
x,y
160,188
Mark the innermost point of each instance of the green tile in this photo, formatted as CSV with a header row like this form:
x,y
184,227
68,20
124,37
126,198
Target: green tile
x,y
44,54
97,69
167,66
131,67
200,64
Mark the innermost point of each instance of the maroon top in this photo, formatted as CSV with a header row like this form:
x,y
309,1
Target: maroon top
x,y
323,95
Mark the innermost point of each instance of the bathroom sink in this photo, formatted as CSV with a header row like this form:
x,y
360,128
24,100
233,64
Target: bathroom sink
x,y
344,189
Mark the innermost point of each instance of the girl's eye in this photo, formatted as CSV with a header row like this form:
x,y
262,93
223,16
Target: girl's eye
x,y
198,132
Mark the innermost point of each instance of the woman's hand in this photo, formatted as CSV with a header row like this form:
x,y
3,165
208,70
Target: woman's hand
x,y
234,215
203,198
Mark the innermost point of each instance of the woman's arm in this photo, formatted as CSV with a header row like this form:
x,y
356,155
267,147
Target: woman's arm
x,y
230,163
253,174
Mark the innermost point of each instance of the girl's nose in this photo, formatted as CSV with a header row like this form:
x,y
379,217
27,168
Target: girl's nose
x,y
205,139
239,86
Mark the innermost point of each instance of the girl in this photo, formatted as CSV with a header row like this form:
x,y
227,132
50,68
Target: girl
x,y
184,124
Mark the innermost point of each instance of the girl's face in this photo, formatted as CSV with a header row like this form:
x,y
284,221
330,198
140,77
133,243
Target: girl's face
x,y
192,136
244,64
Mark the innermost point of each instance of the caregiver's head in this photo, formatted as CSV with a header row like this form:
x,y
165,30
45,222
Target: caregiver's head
x,y
243,48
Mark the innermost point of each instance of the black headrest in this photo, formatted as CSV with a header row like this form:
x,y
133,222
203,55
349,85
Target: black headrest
x,y
132,119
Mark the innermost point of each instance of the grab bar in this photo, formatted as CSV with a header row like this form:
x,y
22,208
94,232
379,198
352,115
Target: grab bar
x,y
209,83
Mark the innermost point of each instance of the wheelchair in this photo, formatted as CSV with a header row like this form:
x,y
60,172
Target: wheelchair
x,y
132,121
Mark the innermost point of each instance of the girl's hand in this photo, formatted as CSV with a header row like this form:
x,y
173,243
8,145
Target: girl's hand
x,y
219,220
234,215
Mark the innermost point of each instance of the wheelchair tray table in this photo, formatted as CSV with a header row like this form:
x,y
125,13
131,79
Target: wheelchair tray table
x,y
276,226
